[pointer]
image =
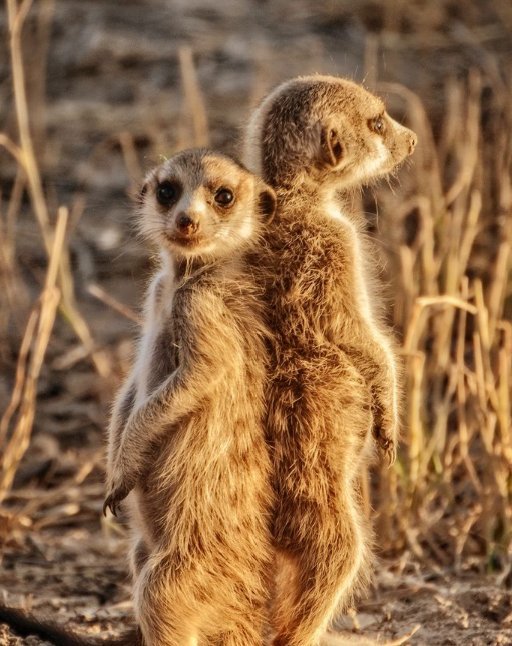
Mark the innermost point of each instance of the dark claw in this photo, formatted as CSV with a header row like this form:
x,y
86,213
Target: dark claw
x,y
110,504
388,447
112,501
386,444
119,493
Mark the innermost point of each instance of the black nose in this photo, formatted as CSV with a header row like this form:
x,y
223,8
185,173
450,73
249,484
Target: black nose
x,y
186,224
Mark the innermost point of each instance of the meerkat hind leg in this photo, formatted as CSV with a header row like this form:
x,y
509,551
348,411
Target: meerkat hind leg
x,y
164,605
248,628
244,636
326,574
244,618
182,607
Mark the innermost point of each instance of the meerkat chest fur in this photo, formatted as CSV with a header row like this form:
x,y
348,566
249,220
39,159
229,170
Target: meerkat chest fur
x,y
151,365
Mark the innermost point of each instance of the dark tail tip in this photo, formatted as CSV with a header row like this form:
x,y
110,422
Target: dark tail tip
x,y
25,625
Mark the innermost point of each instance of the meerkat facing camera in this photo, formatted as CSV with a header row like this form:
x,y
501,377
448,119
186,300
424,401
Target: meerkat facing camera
x,y
193,448
333,373
186,432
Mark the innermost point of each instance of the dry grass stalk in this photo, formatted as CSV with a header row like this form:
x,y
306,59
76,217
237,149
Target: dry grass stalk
x,y
193,98
35,342
17,16
26,157
131,161
452,279
108,299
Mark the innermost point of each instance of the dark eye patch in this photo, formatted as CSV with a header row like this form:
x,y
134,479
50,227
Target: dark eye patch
x,y
167,192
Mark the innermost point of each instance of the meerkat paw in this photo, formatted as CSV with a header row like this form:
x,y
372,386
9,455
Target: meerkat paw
x,y
388,449
118,489
386,438
386,421
113,500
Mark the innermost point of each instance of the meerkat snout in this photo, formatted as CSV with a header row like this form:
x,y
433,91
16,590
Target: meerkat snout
x,y
186,225
412,140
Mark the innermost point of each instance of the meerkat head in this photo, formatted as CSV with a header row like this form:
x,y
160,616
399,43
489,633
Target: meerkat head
x,y
201,203
325,128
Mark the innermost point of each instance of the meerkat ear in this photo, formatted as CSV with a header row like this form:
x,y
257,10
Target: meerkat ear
x,y
331,146
267,202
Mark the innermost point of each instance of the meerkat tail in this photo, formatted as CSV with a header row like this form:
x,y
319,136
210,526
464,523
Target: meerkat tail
x,y
344,638
25,625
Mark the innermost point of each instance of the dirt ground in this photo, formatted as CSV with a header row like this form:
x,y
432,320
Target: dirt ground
x,y
114,103
75,573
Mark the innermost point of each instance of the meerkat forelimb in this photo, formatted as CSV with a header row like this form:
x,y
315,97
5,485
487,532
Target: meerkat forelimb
x,y
333,370
193,444
197,375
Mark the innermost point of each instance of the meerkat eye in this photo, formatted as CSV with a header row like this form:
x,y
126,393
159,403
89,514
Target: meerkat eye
x,y
378,125
167,193
224,197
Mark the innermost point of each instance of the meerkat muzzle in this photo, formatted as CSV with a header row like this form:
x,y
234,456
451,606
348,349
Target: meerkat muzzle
x,y
186,225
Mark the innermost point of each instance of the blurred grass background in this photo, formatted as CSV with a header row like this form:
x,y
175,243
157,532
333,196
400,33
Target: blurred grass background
x,y
94,92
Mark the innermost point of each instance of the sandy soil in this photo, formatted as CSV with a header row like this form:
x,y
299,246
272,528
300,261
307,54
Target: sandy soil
x,y
75,573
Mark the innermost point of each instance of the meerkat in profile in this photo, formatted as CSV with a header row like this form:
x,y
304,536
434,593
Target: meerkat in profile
x,y
333,373
186,437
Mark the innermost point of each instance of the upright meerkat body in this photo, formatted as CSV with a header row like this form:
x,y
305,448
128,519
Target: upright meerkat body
x,y
333,377
193,447
186,431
